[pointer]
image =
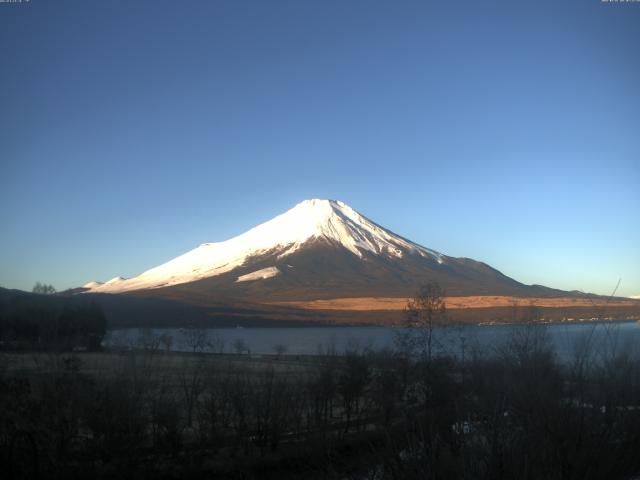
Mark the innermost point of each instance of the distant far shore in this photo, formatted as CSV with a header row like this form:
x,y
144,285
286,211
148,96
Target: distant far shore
x,y
488,323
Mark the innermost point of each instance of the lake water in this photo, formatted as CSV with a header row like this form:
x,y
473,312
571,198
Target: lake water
x,y
604,337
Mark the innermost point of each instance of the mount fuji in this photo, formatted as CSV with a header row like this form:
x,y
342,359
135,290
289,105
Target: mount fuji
x,y
319,249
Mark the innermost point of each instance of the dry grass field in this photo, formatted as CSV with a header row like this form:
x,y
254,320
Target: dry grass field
x,y
395,304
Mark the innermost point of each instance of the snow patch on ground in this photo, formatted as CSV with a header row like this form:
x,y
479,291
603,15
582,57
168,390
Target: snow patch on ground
x,y
262,274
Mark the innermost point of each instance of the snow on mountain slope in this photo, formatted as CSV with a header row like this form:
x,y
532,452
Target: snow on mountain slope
x,y
261,274
312,219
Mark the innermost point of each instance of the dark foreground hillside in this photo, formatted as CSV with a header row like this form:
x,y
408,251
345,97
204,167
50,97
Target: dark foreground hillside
x,y
512,413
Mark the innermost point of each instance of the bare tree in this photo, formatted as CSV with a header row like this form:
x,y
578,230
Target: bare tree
x,y
197,339
280,349
352,384
191,381
321,389
43,289
166,340
239,345
423,312
213,412
239,391
148,340
216,342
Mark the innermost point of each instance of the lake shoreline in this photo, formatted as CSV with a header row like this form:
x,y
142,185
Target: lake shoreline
x,y
340,339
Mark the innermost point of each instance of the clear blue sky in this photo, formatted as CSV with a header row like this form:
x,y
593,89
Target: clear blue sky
x,y
132,131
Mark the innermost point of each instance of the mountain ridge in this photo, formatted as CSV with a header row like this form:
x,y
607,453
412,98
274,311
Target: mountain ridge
x,y
284,234
319,249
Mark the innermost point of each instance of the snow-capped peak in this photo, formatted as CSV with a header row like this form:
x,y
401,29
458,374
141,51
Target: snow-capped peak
x,y
335,220
93,284
311,219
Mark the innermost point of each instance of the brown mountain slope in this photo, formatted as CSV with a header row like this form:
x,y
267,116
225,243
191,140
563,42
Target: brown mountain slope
x,y
323,270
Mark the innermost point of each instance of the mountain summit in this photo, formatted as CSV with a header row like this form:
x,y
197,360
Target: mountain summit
x,y
310,220
317,249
